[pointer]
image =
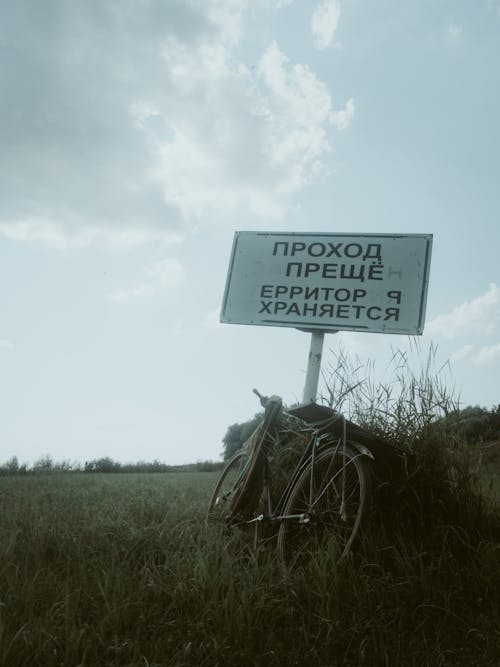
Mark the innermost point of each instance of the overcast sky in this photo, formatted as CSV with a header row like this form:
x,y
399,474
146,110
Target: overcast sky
x,y
137,136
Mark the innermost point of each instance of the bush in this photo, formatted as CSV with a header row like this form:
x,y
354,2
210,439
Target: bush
x,y
416,413
237,434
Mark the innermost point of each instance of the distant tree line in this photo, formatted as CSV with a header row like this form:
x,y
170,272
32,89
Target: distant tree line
x,y
475,424
102,465
106,464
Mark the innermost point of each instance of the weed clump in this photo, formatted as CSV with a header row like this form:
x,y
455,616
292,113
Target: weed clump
x,y
432,482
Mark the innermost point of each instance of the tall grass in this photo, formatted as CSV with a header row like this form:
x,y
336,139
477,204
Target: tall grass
x,y
110,571
120,570
411,411
414,396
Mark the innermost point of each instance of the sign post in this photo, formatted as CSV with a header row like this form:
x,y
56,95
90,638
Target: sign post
x,y
324,283
313,367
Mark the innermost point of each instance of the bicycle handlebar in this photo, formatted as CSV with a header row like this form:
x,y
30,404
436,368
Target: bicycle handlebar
x,y
263,399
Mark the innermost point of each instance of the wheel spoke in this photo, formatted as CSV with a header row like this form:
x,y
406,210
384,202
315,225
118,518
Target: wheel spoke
x,y
219,507
333,496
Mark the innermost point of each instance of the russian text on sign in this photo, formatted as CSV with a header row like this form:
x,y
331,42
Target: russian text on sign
x,y
374,283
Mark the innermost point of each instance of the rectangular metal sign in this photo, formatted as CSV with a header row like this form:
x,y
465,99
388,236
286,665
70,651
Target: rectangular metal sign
x,y
329,282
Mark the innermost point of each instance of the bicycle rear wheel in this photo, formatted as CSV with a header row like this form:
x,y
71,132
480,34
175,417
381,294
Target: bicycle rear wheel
x,y
326,505
219,505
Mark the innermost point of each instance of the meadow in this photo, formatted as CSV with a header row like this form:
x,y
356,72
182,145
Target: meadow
x,y
102,569
119,569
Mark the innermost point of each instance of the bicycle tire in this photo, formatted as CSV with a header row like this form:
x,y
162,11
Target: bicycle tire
x,y
218,507
317,496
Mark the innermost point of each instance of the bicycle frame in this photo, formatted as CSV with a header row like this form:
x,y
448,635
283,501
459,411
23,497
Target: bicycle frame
x,y
327,493
274,513
326,440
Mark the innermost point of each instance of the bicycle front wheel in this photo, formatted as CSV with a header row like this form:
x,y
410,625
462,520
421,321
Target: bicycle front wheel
x,y
326,505
219,505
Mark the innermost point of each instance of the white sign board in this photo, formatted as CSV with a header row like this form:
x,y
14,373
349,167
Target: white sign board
x,y
329,282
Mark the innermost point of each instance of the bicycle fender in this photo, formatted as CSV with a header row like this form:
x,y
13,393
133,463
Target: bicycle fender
x,y
364,451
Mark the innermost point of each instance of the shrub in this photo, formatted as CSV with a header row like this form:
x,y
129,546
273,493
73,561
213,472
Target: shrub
x,y
417,414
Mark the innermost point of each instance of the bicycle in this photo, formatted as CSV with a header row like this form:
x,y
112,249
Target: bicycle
x,y
326,495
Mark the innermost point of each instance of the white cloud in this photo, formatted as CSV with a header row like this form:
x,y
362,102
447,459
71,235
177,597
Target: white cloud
x,y
487,355
276,4
6,344
53,234
124,123
296,105
164,275
64,236
142,111
480,316
227,16
72,155
462,353
254,142
324,22
342,119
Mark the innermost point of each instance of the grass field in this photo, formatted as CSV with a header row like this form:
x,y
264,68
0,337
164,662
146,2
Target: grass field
x,y
119,569
490,472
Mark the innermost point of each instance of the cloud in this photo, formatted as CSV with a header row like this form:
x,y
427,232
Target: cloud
x,y
164,275
487,355
342,119
276,4
480,316
324,22
254,142
72,157
6,344
462,353
124,122
62,237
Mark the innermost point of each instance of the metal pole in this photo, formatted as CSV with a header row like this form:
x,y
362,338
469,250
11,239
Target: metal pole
x,y
313,367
